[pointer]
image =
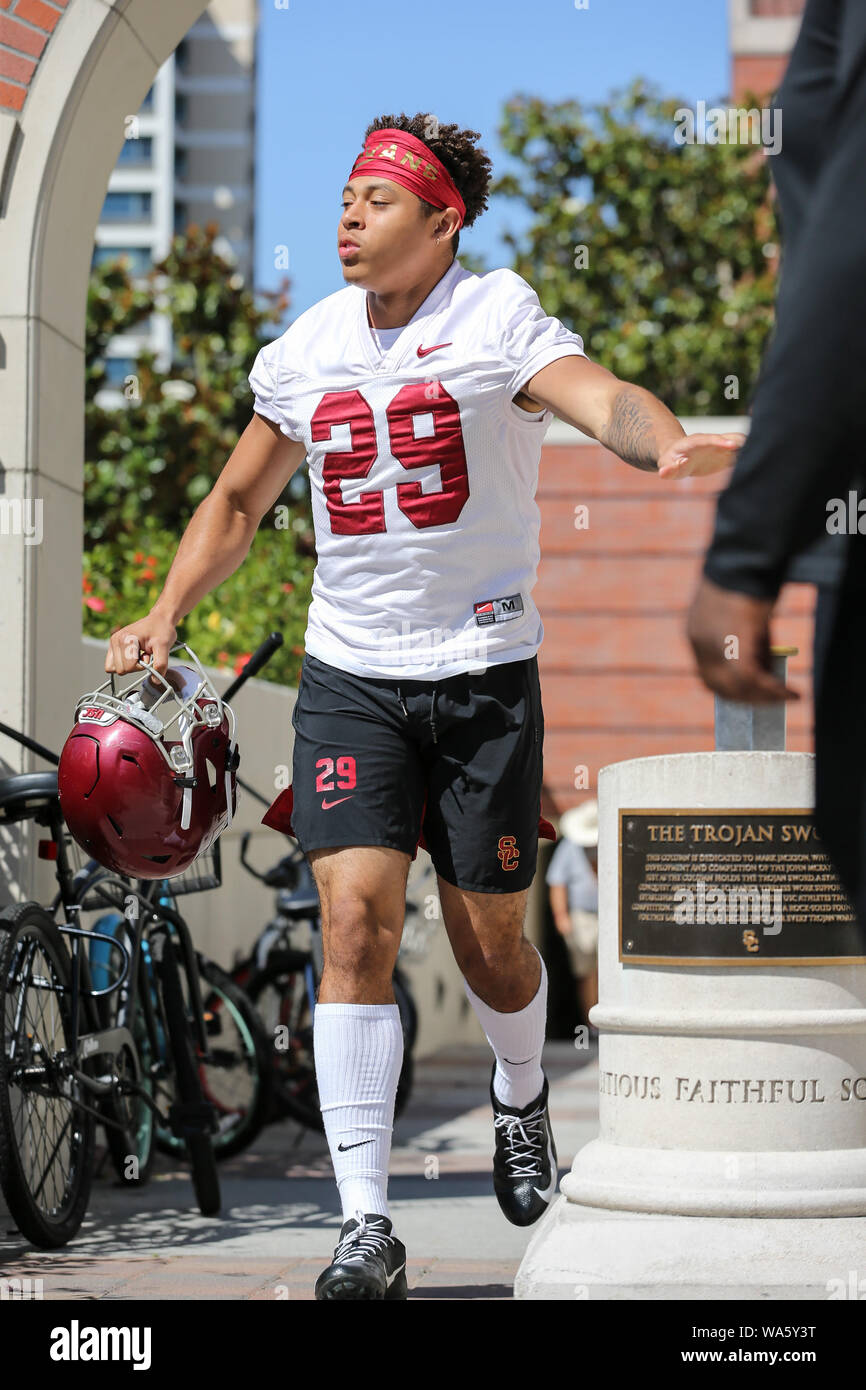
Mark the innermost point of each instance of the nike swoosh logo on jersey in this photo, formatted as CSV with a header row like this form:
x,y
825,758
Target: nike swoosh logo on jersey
x,y
342,1148
518,1064
424,352
326,805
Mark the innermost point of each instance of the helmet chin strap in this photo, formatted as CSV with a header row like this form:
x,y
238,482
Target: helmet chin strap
x,y
189,782
184,724
232,760
228,777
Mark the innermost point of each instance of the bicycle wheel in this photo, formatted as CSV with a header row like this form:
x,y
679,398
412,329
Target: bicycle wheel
x,y
409,1020
190,1099
237,1078
280,996
282,1000
133,1147
128,1118
46,1136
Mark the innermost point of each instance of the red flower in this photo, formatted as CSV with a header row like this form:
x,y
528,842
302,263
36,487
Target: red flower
x,y
223,658
288,588
241,662
145,575
97,604
86,585
138,557
151,560
298,651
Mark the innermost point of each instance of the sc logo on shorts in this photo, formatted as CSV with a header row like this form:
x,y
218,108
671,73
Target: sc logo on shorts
x,y
508,852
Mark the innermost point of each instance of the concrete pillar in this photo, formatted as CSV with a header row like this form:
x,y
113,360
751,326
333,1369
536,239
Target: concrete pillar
x,y
731,1158
56,155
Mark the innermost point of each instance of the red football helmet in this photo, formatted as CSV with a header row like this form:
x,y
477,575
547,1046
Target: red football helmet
x,y
139,801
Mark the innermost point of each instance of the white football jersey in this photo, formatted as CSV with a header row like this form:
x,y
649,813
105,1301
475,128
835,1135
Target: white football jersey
x,y
423,472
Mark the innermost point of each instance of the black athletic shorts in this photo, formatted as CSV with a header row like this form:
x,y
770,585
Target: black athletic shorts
x,y
457,761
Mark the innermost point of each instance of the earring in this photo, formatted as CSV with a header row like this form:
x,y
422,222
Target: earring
x,y
437,241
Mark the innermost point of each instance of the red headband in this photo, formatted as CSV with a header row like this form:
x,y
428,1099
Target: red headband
x,y
401,157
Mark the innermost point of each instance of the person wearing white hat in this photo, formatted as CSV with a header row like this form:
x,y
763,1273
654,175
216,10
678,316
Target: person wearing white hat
x,y
572,878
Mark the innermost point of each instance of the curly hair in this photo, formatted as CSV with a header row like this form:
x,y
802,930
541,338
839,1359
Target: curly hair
x,y
469,166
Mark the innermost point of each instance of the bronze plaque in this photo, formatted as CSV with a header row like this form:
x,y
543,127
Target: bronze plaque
x,y
737,887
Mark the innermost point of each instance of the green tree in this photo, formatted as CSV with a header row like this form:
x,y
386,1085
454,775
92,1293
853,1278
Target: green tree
x,y
162,450
661,255
150,460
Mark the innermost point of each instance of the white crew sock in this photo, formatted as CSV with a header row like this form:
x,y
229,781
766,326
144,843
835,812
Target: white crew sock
x,y
358,1051
517,1040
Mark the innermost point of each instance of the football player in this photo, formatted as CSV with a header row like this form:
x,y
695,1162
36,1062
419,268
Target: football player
x,y
419,394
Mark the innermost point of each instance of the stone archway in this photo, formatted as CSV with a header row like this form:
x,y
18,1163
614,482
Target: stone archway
x,y
78,68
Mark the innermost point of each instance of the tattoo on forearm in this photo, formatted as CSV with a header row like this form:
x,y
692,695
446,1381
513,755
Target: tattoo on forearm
x,y
631,432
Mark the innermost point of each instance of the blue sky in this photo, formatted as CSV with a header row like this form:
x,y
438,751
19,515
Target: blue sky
x,y
328,67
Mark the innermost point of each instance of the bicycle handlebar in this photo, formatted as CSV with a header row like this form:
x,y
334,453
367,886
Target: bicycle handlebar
x,y
294,857
260,657
30,743
245,840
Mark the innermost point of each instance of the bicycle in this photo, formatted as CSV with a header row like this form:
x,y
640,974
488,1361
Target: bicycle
x,y
236,1075
69,1057
282,978
65,1065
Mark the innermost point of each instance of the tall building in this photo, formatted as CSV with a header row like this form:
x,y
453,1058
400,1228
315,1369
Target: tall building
x,y
762,34
188,157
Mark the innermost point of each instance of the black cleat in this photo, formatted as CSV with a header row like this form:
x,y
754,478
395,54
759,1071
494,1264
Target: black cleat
x,y
369,1262
524,1161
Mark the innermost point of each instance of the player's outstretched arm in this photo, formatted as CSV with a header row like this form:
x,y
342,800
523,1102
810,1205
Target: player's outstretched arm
x,y
215,542
628,420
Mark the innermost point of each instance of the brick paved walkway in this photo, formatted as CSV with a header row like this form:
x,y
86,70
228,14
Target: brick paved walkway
x,y
280,1223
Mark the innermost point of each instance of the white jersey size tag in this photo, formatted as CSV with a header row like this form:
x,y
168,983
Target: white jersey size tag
x,y
498,610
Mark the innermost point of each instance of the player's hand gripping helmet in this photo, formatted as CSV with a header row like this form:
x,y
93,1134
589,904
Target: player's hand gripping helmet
x,y
147,776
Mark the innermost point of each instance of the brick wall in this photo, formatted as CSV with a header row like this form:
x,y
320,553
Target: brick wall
x,y
758,73
616,671
25,27
775,8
